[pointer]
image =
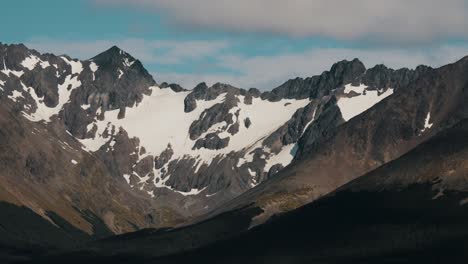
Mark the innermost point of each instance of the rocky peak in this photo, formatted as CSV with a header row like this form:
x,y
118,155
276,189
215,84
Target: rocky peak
x,y
200,88
173,86
347,71
111,80
382,77
111,54
119,77
12,55
115,59
317,86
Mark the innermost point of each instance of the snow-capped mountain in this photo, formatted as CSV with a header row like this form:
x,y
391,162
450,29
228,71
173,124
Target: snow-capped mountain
x,y
387,184
208,144
92,148
104,139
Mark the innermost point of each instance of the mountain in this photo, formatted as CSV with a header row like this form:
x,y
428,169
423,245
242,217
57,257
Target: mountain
x,y
45,173
412,209
328,159
96,148
217,144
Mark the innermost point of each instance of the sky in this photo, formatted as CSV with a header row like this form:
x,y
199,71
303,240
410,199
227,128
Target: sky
x,y
246,43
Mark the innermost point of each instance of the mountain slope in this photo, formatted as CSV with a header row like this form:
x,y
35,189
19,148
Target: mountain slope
x,y
98,146
411,209
43,167
186,151
328,159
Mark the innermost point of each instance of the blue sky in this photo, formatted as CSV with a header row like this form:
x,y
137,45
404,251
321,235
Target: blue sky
x,y
256,43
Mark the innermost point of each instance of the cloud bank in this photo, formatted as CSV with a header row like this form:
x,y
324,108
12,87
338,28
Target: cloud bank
x,y
380,21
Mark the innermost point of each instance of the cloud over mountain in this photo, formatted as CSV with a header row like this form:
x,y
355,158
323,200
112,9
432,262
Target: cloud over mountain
x,y
372,20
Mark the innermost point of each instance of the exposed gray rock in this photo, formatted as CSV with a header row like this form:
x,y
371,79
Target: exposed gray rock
x,y
122,156
247,122
211,141
274,169
248,99
234,128
216,114
203,92
318,86
381,77
144,166
190,102
164,157
173,86
329,117
291,131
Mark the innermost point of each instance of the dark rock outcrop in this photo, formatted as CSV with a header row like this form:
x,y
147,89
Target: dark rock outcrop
x,y
173,86
211,141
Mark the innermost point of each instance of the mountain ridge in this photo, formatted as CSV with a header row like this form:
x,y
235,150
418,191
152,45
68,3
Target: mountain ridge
x,y
104,119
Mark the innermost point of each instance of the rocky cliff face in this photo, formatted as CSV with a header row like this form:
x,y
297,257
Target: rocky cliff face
x,y
173,153
327,158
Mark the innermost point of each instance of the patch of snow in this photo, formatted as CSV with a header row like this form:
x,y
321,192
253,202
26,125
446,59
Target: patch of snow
x,y
120,73
357,89
310,122
94,144
30,62
85,107
192,192
427,124
199,164
93,67
278,114
16,94
249,156
111,145
44,112
127,178
44,64
76,66
351,107
74,162
209,195
161,183
127,62
253,183
7,71
284,157
214,128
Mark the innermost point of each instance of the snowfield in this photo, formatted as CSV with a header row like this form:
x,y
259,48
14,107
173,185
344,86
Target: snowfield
x,y
160,120
351,107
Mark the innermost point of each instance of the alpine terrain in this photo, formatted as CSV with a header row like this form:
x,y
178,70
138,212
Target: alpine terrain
x,y
100,162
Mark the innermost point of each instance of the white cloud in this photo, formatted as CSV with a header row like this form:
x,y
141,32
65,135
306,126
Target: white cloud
x,y
372,20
